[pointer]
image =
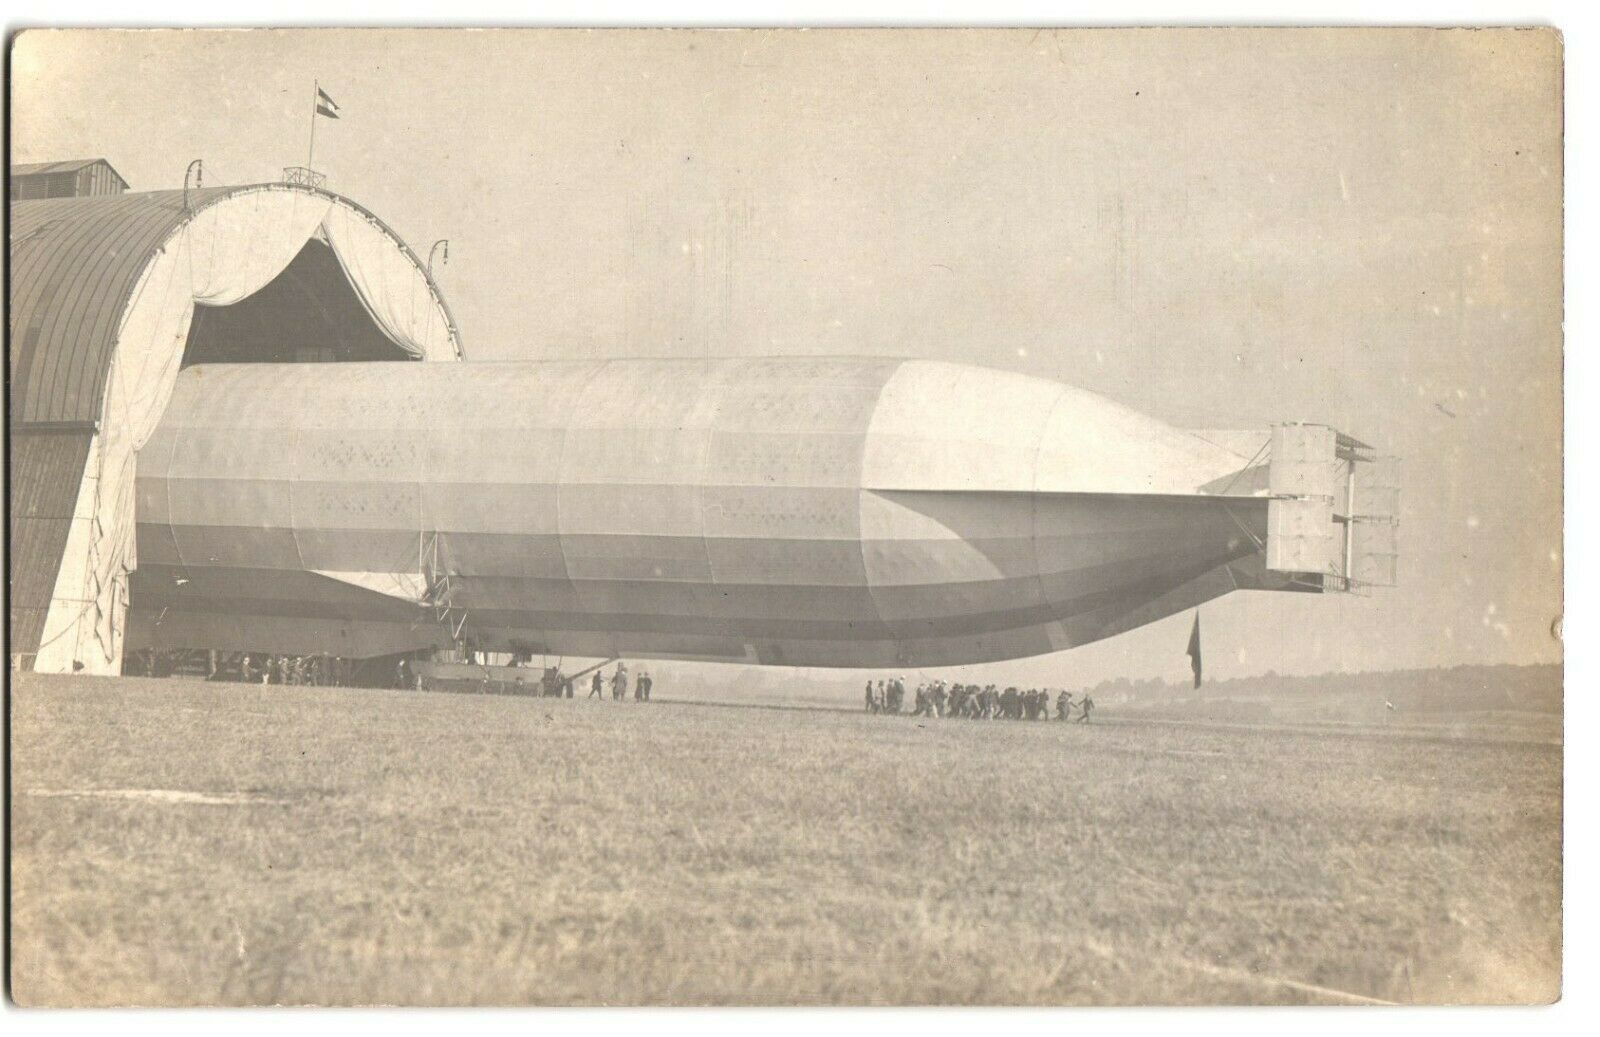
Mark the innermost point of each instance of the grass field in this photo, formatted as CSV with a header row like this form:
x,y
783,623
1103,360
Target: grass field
x,y
187,843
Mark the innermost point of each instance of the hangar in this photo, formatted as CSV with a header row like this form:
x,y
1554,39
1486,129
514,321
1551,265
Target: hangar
x,y
112,294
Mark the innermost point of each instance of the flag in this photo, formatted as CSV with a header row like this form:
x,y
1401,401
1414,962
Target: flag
x,y
326,105
1194,649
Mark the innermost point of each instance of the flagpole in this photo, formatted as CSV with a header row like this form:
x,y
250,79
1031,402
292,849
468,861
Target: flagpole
x,y
312,147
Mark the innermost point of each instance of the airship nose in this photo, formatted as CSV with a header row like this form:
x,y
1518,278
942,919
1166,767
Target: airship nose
x,y
1011,515
943,426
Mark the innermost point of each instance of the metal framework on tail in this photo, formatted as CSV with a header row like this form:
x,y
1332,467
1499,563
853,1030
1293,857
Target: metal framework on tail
x,y
1332,515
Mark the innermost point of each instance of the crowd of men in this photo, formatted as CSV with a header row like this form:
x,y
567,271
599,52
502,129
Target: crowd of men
x,y
619,684
988,702
295,669
325,670
934,698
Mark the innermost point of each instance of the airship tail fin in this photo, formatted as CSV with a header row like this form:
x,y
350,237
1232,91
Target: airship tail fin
x,y
1332,512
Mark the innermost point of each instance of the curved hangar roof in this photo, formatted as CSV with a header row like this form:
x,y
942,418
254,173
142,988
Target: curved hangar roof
x,y
110,296
80,265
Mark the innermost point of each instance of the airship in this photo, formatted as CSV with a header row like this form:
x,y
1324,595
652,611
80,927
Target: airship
x,y
243,421
820,512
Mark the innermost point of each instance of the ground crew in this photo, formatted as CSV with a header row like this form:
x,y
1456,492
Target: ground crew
x,y
619,683
596,683
936,698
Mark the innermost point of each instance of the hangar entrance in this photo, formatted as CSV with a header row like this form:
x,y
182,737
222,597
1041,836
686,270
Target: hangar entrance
x,y
309,313
126,289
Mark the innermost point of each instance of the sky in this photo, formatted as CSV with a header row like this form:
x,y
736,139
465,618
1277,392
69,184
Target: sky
x,y
1220,228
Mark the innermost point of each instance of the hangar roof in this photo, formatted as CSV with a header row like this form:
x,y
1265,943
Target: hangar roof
x,y
67,166
75,263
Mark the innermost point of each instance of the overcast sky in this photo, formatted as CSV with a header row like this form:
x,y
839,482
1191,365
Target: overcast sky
x,y
1220,228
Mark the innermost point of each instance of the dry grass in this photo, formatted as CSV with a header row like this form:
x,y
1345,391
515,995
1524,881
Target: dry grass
x,y
183,843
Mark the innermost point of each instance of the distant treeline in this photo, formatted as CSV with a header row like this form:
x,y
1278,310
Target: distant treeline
x,y
1535,689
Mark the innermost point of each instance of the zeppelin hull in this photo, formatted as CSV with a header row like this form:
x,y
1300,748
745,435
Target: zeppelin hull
x,y
829,512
